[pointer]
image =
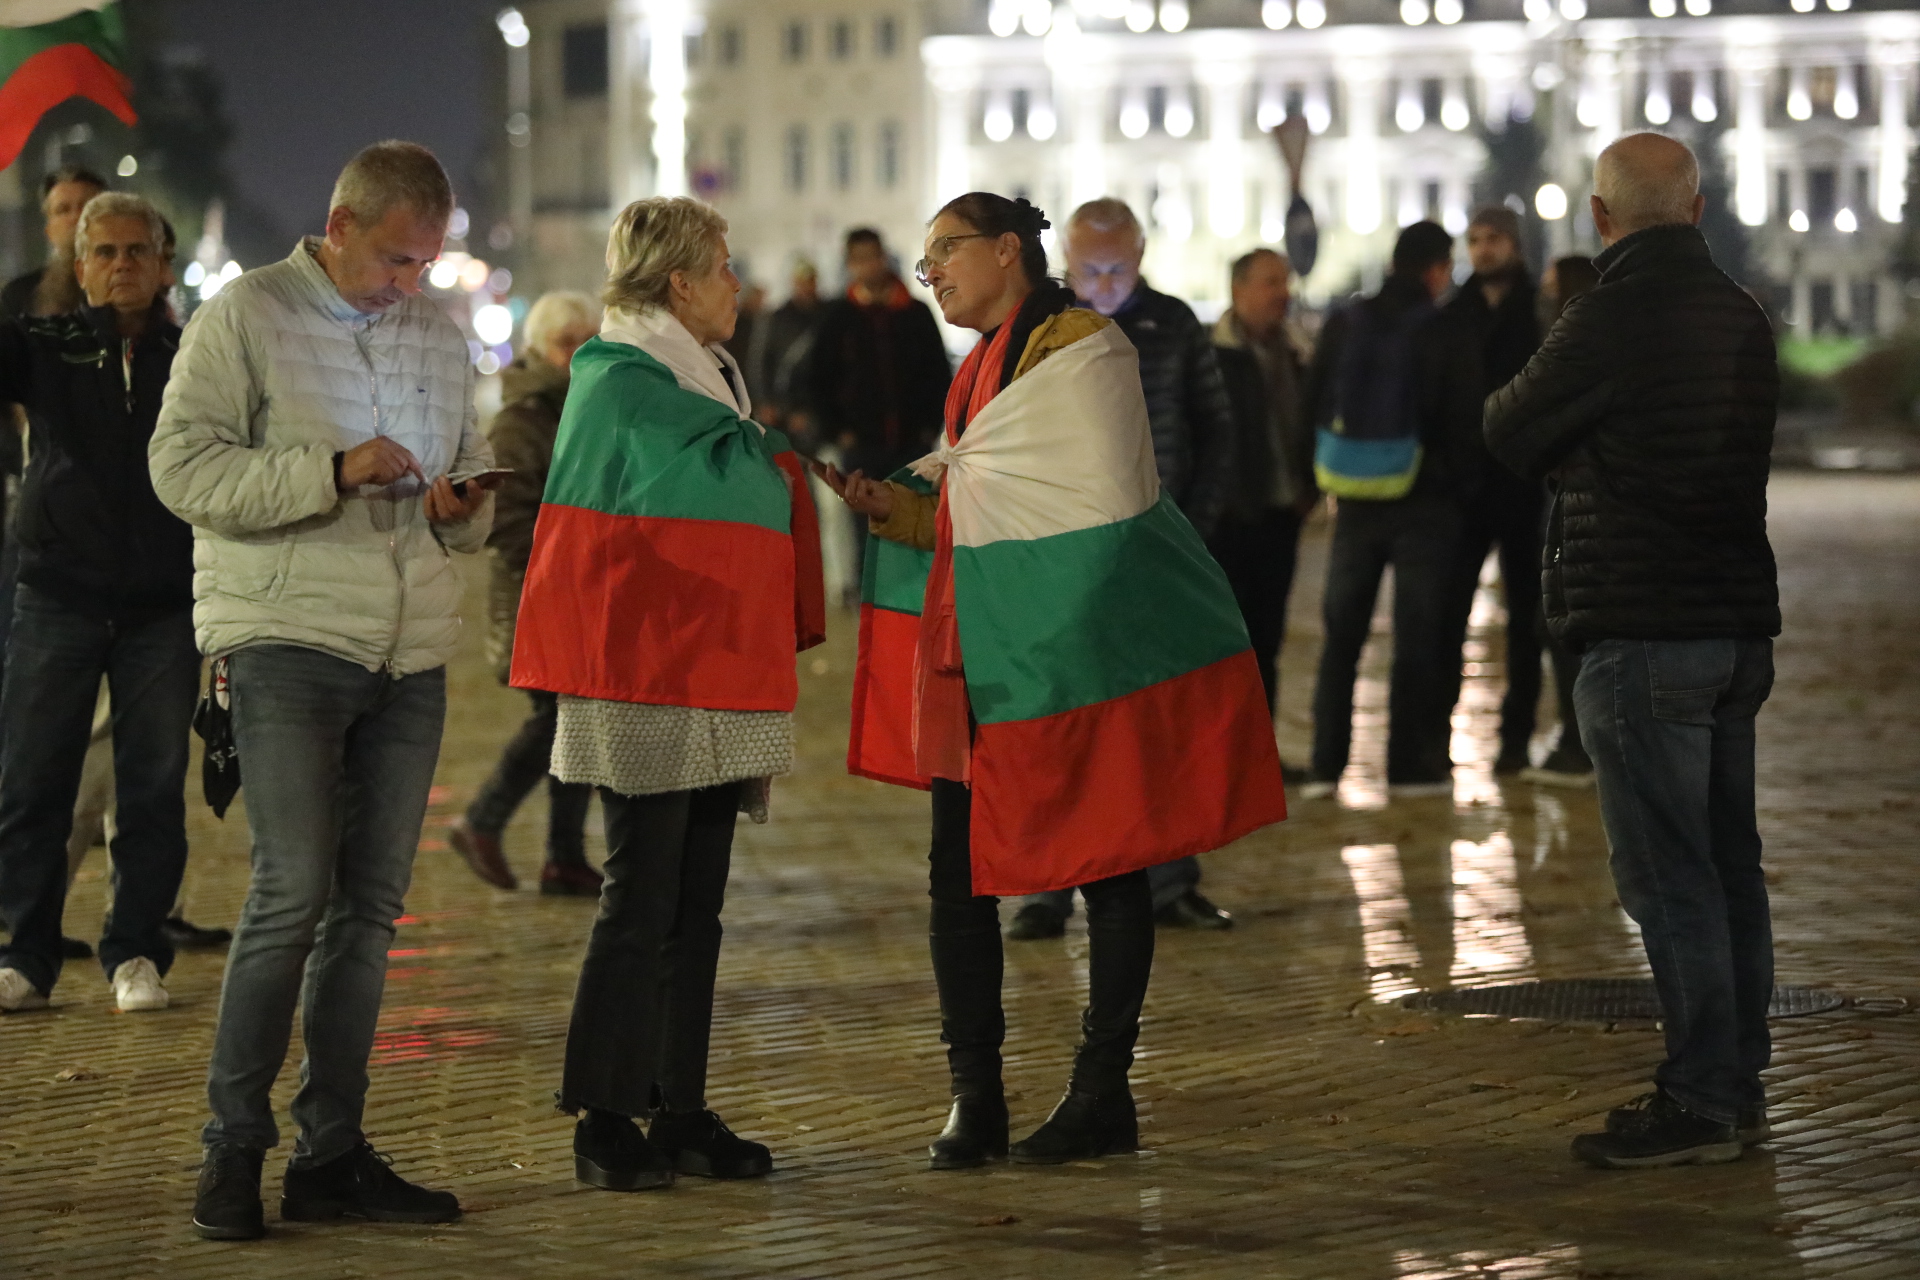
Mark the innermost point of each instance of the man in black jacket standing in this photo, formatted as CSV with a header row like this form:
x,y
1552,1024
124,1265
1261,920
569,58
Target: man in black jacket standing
x,y
1497,306
105,592
1650,409
1193,445
1387,357
1274,490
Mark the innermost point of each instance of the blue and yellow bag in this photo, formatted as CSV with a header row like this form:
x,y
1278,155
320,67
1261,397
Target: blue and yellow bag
x,y
1369,446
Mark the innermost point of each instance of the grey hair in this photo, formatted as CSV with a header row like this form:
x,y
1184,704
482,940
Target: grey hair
x,y
653,238
554,311
117,204
1108,213
1647,180
393,173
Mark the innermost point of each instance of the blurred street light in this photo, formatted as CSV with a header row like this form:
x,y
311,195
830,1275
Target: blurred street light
x,y
513,28
1550,202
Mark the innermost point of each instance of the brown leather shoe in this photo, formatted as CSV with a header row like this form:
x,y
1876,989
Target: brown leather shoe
x,y
483,854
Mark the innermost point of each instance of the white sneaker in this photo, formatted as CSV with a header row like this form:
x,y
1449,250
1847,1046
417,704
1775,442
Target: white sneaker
x,y
17,994
136,986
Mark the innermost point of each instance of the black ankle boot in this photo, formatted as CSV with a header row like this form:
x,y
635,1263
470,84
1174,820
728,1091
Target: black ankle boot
x,y
610,1152
1082,1126
976,1132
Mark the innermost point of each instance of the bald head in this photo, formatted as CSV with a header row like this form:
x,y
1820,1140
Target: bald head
x,y
1645,180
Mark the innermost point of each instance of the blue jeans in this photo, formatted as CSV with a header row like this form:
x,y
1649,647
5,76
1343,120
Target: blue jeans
x,y
335,762
1670,727
56,659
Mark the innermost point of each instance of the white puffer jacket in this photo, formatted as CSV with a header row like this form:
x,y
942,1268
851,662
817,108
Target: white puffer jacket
x,y
275,375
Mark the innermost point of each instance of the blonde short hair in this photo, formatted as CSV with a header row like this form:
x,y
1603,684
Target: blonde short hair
x,y
555,311
118,204
1108,213
652,239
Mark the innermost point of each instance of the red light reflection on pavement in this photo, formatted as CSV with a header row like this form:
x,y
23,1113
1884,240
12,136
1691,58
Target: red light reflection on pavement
x,y
426,1034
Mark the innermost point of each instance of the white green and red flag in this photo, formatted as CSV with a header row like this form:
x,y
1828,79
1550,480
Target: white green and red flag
x,y
1121,718
677,556
52,50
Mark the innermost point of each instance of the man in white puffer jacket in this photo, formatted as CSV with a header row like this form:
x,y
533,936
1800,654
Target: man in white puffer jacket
x,y
310,403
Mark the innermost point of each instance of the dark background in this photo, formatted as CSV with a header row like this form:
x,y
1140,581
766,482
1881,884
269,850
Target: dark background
x,y
260,102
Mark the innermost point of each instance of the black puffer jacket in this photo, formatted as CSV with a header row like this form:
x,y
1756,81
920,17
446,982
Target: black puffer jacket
x,y
1187,404
1650,409
92,534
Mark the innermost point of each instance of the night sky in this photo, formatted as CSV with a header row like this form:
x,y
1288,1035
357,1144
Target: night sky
x,y
308,84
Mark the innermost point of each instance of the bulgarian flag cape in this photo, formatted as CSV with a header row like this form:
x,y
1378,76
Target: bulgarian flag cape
x,y
1121,719
676,560
52,50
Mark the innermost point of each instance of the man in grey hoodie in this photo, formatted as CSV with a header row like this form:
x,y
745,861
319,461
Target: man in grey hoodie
x,y
315,434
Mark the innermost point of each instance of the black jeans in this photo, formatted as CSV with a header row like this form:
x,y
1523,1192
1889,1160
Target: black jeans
x,y
1417,536
526,760
1508,516
1258,558
1670,727
643,1011
56,658
965,936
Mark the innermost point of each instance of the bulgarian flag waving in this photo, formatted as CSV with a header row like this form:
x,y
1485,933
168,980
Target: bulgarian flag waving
x,y
52,50
1120,717
677,557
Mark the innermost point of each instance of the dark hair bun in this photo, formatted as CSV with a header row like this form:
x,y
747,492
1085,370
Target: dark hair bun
x,y
1032,220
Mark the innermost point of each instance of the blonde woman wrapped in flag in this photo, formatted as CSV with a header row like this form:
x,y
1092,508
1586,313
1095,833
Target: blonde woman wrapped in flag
x,y
1048,647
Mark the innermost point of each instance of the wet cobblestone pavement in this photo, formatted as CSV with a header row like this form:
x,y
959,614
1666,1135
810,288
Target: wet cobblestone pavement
x,y
1297,1122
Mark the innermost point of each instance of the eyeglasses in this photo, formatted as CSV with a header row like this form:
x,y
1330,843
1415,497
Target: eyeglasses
x,y
940,252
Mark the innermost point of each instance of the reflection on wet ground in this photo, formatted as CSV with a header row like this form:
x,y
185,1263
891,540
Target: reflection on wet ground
x,y
1299,1122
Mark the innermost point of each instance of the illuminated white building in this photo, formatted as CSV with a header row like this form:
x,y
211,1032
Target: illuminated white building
x,y
800,118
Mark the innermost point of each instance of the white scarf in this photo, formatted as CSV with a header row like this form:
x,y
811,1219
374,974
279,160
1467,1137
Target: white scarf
x,y
695,367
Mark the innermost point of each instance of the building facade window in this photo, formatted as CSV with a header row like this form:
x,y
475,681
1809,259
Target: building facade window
x,y
889,158
840,39
794,42
797,158
583,61
843,156
886,36
735,158
730,46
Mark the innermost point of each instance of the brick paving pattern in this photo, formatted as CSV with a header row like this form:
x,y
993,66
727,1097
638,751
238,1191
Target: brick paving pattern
x,y
1297,1122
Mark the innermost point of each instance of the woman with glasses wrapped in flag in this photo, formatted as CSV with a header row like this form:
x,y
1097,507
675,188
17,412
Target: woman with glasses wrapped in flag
x,y
1047,646
675,571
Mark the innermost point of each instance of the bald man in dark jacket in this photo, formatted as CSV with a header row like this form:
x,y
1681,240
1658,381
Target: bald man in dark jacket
x,y
1650,410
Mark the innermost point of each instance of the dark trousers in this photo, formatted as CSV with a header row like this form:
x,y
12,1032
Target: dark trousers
x,y
1670,727
1258,558
56,658
1507,516
964,934
1566,674
526,760
643,1012
1417,536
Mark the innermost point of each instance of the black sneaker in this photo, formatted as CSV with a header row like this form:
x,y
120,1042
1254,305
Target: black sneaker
x,y
1191,910
227,1204
1511,760
1750,1125
75,949
191,937
700,1144
1034,921
361,1184
1659,1134
611,1153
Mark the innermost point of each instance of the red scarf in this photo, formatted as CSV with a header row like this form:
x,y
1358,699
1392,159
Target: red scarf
x,y
942,737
